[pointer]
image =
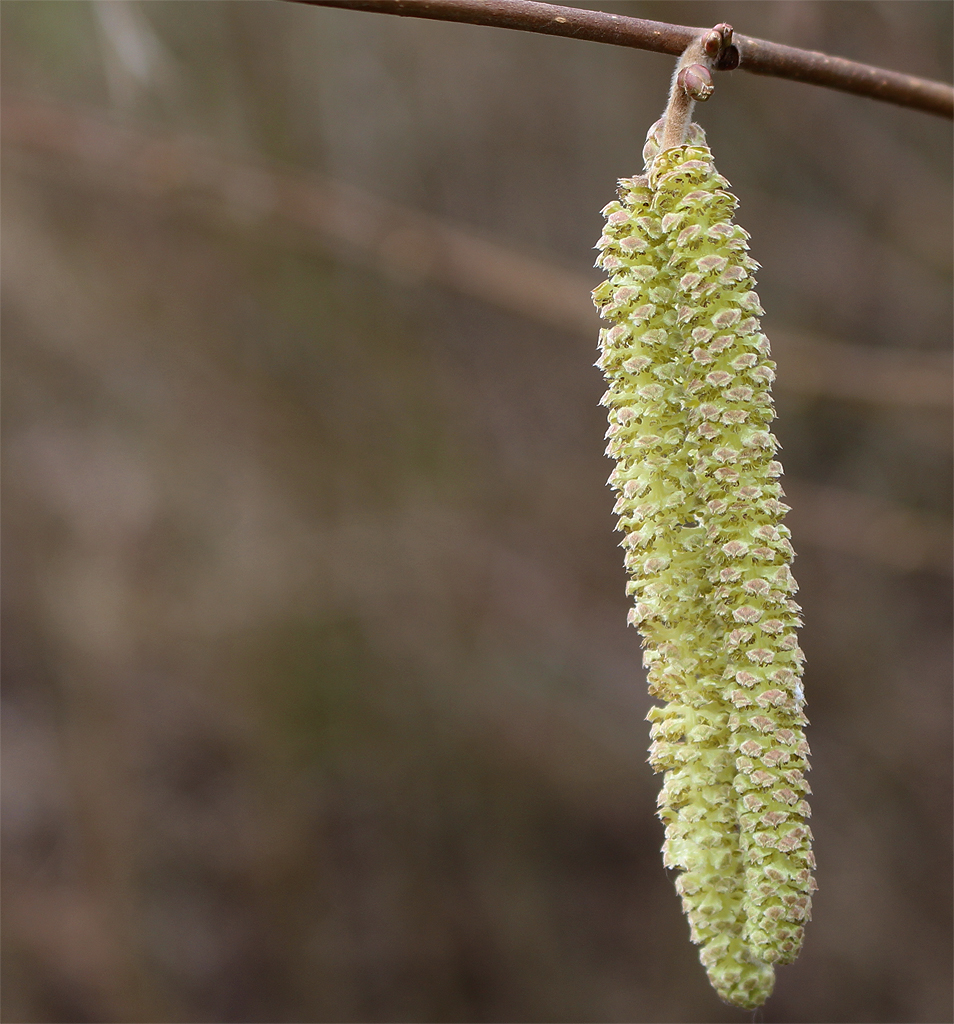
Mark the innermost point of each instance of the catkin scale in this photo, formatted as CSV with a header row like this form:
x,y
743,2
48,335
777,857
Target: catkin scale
x,y
689,375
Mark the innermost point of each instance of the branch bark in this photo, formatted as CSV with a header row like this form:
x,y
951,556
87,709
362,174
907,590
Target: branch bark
x,y
755,55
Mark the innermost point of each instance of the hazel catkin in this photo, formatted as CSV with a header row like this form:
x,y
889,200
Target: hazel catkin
x,y
700,507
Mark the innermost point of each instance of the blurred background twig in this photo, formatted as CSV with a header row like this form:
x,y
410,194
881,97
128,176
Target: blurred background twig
x,y
427,249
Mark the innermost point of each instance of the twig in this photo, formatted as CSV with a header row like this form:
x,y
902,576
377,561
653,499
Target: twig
x,y
692,80
755,55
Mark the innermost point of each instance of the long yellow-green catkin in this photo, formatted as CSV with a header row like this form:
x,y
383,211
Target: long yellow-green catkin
x,y
731,448
689,373
643,358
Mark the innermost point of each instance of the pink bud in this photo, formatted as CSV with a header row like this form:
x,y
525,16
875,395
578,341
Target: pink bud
x,y
696,80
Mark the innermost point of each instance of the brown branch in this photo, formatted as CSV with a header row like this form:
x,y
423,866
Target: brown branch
x,y
755,55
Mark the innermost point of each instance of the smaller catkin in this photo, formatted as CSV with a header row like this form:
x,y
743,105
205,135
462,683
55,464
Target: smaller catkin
x,y
731,450
643,359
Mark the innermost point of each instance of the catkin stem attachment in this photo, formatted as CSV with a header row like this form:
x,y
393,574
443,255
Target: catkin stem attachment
x,y
692,81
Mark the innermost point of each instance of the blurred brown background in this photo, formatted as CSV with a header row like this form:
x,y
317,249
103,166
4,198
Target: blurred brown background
x,y
318,700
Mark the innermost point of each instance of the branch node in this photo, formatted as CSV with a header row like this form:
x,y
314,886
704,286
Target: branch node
x,y
717,40
720,48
